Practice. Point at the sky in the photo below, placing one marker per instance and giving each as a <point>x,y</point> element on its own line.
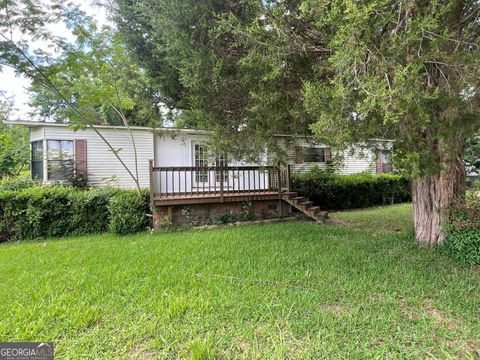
<point>16,86</point>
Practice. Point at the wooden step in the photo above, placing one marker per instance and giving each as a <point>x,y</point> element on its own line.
<point>306,204</point>
<point>290,194</point>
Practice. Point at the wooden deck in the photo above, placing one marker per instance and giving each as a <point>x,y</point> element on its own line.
<point>213,198</point>
<point>198,185</point>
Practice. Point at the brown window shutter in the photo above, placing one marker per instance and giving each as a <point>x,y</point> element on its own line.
<point>298,155</point>
<point>328,154</point>
<point>378,162</point>
<point>81,157</point>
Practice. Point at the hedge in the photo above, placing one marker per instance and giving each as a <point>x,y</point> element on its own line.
<point>128,212</point>
<point>40,212</point>
<point>340,192</point>
<point>462,231</point>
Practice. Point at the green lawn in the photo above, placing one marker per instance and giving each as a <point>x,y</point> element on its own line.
<point>358,289</point>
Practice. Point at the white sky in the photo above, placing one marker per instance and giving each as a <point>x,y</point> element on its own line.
<point>16,86</point>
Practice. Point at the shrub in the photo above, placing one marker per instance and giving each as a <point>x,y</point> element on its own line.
<point>339,192</point>
<point>128,212</point>
<point>63,210</point>
<point>52,211</point>
<point>17,183</point>
<point>89,210</point>
<point>462,231</point>
<point>224,218</point>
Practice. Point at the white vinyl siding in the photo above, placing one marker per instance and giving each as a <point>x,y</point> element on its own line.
<point>353,163</point>
<point>359,161</point>
<point>103,168</point>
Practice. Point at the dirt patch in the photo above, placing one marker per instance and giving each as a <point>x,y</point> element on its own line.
<point>143,354</point>
<point>140,352</point>
<point>335,221</point>
<point>439,317</point>
<point>334,309</point>
<point>465,349</point>
<point>430,311</point>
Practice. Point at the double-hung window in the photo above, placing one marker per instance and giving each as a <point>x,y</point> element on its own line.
<point>60,162</point>
<point>37,160</point>
<point>314,155</point>
<point>310,155</point>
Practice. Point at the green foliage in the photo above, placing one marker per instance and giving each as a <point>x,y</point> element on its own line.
<point>224,218</point>
<point>246,212</point>
<point>101,81</point>
<point>189,217</point>
<point>38,212</point>
<point>90,80</point>
<point>400,70</point>
<point>336,192</point>
<point>89,210</point>
<point>20,182</point>
<point>349,71</point>
<point>14,148</point>
<point>129,212</point>
<point>462,231</point>
<point>202,350</point>
<point>471,154</point>
<point>201,63</point>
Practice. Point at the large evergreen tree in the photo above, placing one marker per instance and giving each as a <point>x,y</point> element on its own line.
<point>405,70</point>
<point>409,71</point>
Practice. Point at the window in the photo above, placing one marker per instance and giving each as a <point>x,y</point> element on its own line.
<point>200,156</point>
<point>37,160</point>
<point>60,163</point>
<point>313,154</point>
<point>309,155</point>
<point>201,159</point>
<point>385,161</point>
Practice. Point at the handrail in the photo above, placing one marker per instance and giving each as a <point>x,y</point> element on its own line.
<point>216,181</point>
<point>200,168</point>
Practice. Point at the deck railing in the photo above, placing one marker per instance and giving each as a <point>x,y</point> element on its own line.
<point>169,182</point>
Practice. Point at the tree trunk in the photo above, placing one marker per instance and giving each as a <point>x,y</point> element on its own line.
<point>431,197</point>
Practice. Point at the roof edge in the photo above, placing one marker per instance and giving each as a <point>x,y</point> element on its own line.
<point>145,128</point>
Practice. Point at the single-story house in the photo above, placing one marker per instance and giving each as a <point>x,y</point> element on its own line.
<point>177,165</point>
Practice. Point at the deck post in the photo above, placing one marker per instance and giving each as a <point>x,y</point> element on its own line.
<point>288,177</point>
<point>150,166</point>
<point>279,184</point>
<point>221,184</point>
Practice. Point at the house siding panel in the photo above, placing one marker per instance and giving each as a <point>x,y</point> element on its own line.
<point>353,163</point>
<point>102,166</point>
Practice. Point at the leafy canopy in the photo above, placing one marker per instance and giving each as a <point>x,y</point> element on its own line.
<point>213,72</point>
<point>349,71</point>
<point>90,80</point>
<point>14,144</point>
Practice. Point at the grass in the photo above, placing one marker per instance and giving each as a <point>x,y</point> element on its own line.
<point>380,219</point>
<point>291,290</point>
